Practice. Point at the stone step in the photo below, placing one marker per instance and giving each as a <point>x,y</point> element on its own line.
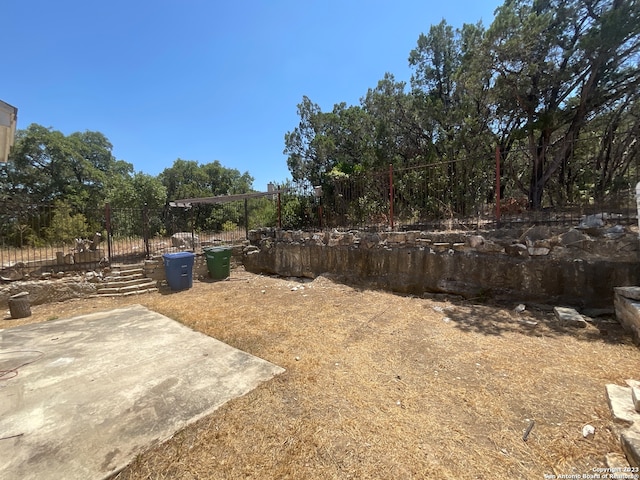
<point>127,288</point>
<point>635,393</point>
<point>126,294</point>
<point>621,405</point>
<point>126,281</point>
<point>128,272</point>
<point>626,416</point>
<point>630,440</point>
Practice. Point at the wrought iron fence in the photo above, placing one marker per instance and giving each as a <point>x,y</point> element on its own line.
<point>461,194</point>
<point>60,238</point>
<point>446,195</point>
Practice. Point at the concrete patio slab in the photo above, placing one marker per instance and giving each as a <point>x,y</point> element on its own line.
<point>81,397</point>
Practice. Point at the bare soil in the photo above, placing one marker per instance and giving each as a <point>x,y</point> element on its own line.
<point>379,385</point>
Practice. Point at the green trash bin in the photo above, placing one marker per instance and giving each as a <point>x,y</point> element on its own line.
<point>218,259</point>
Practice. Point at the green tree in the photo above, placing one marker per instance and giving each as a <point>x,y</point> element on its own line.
<point>557,65</point>
<point>65,225</point>
<point>45,166</point>
<point>190,179</point>
<point>310,147</point>
<point>398,135</point>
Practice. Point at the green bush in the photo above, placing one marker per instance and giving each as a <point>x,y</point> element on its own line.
<point>65,227</point>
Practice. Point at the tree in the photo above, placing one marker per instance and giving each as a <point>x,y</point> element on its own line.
<point>190,179</point>
<point>451,100</point>
<point>399,136</point>
<point>310,147</point>
<point>45,166</point>
<point>557,65</point>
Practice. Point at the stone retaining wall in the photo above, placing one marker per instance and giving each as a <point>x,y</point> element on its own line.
<point>48,291</point>
<point>573,267</point>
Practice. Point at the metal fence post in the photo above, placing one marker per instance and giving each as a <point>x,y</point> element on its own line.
<point>279,211</point>
<point>497,185</point>
<point>391,195</point>
<point>246,219</point>
<point>145,229</point>
<point>107,219</point>
<point>638,206</point>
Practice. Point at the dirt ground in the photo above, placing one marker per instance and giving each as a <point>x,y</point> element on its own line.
<point>384,386</point>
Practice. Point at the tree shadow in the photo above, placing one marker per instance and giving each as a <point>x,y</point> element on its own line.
<point>495,320</point>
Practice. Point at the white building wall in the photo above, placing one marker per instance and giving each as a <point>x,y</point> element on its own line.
<point>8,121</point>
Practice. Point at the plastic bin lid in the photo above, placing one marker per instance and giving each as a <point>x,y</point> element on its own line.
<point>179,255</point>
<point>216,249</point>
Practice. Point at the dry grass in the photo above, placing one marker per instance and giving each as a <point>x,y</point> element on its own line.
<point>385,386</point>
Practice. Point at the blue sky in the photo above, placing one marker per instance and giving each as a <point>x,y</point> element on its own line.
<point>205,80</point>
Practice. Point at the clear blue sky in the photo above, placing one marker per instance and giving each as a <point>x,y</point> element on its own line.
<point>205,80</point>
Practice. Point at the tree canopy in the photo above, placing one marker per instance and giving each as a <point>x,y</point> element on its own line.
<point>546,82</point>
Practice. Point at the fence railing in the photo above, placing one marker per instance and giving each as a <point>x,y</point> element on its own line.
<point>425,197</point>
<point>58,238</point>
<point>445,195</point>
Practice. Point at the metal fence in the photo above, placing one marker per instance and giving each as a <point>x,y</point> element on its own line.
<point>461,193</point>
<point>60,238</point>
<point>446,195</point>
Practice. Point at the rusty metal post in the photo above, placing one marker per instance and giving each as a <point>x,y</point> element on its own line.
<point>391,196</point>
<point>497,185</point>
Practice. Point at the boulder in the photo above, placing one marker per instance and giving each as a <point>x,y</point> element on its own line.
<point>535,233</point>
<point>185,240</point>
<point>475,241</point>
<point>569,317</point>
<point>573,237</point>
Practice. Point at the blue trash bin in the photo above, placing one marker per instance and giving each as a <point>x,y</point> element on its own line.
<point>178,268</point>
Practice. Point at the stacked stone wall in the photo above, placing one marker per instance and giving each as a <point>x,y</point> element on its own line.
<point>572,267</point>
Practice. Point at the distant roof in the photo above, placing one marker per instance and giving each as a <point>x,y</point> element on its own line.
<point>188,202</point>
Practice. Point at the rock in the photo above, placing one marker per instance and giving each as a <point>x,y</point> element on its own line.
<point>628,292</point>
<point>615,232</point>
<point>588,431</point>
<point>474,241</point>
<point>621,405</point>
<point>569,317</point>
<point>635,393</point>
<point>490,247</point>
<point>185,240</point>
<point>517,250</point>
<point>591,221</point>
<point>573,237</point>
<point>630,441</point>
<point>535,233</point>
<point>628,314</point>
<point>538,251</point>
<point>47,291</point>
